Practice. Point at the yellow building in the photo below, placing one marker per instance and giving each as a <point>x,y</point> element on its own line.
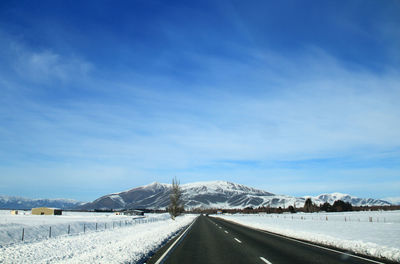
<point>46,211</point>
<point>14,212</point>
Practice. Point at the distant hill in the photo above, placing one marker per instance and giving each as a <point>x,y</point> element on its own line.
<point>15,202</point>
<point>355,201</point>
<point>214,194</point>
<point>393,200</point>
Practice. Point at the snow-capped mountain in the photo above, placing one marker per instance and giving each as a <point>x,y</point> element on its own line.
<point>155,195</point>
<point>15,202</point>
<point>355,201</point>
<point>222,194</point>
<point>392,200</point>
<point>215,194</point>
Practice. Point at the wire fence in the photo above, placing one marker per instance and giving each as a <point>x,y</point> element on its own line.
<point>376,218</point>
<point>40,232</point>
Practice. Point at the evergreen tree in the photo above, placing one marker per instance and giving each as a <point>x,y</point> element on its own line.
<point>291,209</point>
<point>308,205</point>
<point>340,206</point>
<point>327,207</point>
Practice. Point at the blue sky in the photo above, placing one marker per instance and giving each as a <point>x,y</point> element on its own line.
<point>294,97</point>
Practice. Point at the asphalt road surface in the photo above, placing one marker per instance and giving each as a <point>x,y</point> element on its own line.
<point>212,240</point>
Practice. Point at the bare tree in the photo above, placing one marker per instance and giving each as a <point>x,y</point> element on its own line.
<point>176,204</point>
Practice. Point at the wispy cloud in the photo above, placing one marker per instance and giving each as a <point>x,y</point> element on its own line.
<point>251,114</point>
<point>324,110</point>
<point>41,66</point>
<point>47,65</point>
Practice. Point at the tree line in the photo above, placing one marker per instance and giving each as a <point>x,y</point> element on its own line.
<point>309,207</point>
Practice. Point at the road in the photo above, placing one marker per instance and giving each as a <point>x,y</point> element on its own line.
<point>212,240</point>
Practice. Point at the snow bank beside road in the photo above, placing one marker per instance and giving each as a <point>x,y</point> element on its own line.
<point>128,244</point>
<point>376,239</point>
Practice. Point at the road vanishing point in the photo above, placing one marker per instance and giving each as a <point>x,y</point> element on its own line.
<point>213,240</point>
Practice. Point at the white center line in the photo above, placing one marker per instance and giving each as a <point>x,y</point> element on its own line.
<point>266,261</point>
<point>220,227</point>
<point>238,240</point>
<point>226,232</point>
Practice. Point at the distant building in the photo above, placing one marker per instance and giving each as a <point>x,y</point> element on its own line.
<point>133,212</point>
<point>46,211</point>
<point>14,212</point>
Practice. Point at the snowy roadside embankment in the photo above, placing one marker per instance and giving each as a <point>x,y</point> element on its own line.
<point>122,245</point>
<point>376,239</point>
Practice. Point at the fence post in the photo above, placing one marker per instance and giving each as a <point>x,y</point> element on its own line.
<point>23,233</point>
<point>370,219</point>
<point>50,232</point>
<point>84,228</point>
<point>69,229</point>
<point>105,225</point>
<point>120,223</point>
<point>96,226</point>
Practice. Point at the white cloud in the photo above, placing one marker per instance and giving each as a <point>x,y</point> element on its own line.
<point>41,66</point>
<point>322,113</point>
<point>47,66</point>
<point>269,108</point>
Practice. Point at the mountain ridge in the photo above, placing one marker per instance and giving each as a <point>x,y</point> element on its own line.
<point>18,202</point>
<point>215,194</point>
<point>204,194</point>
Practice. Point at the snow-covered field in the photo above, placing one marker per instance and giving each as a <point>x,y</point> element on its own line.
<point>118,239</point>
<point>375,234</point>
<point>37,227</point>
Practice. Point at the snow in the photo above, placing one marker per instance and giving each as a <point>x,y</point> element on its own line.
<point>36,227</point>
<point>7,198</point>
<point>349,231</point>
<point>218,187</point>
<point>132,239</point>
<point>218,194</point>
<point>151,187</point>
<point>15,202</point>
<point>393,200</point>
<point>118,198</point>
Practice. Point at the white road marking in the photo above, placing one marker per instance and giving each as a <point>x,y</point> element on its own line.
<point>313,245</point>
<point>226,232</point>
<point>173,244</point>
<point>220,227</point>
<point>238,240</point>
<point>266,261</point>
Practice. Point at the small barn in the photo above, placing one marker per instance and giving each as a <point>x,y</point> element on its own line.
<point>133,212</point>
<point>46,211</point>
